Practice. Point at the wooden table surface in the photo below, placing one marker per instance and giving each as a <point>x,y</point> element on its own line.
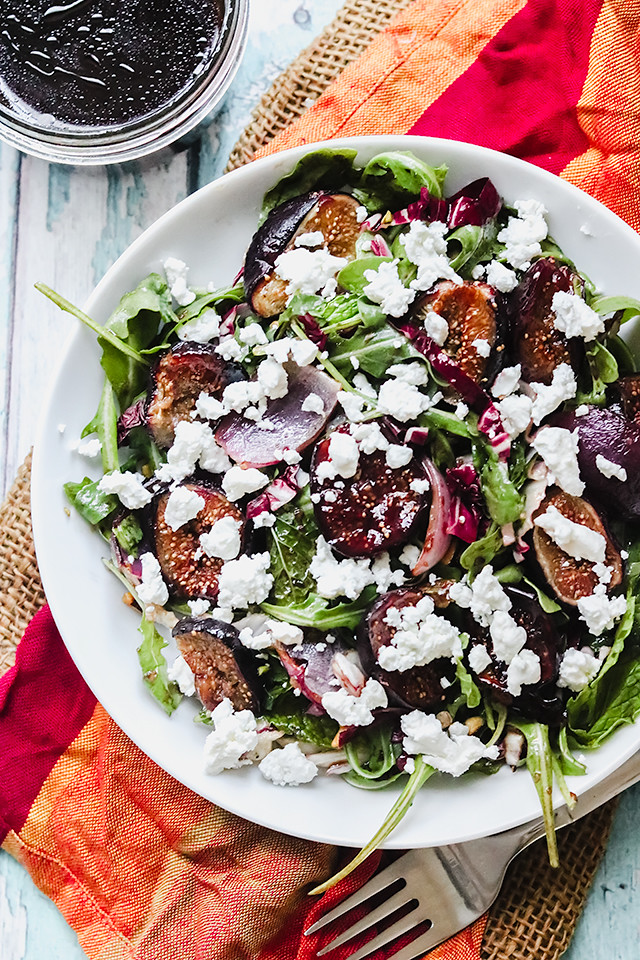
<point>66,226</point>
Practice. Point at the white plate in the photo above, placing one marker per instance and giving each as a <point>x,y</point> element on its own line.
<point>210,231</point>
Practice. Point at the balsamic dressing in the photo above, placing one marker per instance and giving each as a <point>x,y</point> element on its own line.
<point>95,63</point>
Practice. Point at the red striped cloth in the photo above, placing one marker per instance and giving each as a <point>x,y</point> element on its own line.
<point>140,866</point>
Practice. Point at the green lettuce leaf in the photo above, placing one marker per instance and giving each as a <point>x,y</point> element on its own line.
<point>397,177</point>
<point>105,426</point>
<point>329,168</point>
<point>154,667</point>
<point>90,502</point>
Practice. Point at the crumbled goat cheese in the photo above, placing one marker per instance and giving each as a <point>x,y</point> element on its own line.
<point>252,335</point>
<point>180,672</point>
<point>610,469</point>
<point>361,214</point>
<point>507,636</point>
<point>152,589</point>
<point>413,372</point>
<point>484,597</point>
<point>515,413</point>
<point>410,555</point>
<point>194,443</point>
<point>582,410</point>
<point>342,460</point>
<point>237,482</point>
<point>352,711</point>
<point>402,400</point>
<point>578,668</point>
<point>426,247</point>
<point>89,447</point>
<point>479,658</point>
<point>383,576</point>
<point>273,379</point>
<point>201,329</point>
<point>559,450</point>
<point>338,578</point>
<point>420,636</point>
<point>307,271</point>
<point>244,581</point>
<point>451,751</point>
<point>128,487</point>
<point>369,437</point>
<point>600,611</point>
<point>234,735</point>
<point>386,288</point>
<point>398,456</point>
<point>313,404</point>
<point>575,539</point>
<point>223,540</point>
<point>182,506</point>
<point>269,633</point>
<point>501,277</point>
<point>420,486</point>
<point>176,272</point>
<point>352,405</point>
<point>198,606</point>
<point>264,519</point>
<point>523,670</point>
<point>436,327</point>
<point>548,397</point>
<point>523,234</point>
<point>483,347</point>
<point>302,352</point>
<point>461,410</point>
<point>574,317</point>
<point>288,767</point>
<point>313,239</point>
<point>209,407</point>
<point>507,381</point>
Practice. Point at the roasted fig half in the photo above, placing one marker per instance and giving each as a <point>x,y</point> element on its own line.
<point>374,510</point>
<point>572,579</point>
<point>331,214</point>
<point>180,376</point>
<point>607,432</point>
<point>187,569</point>
<point>538,346</point>
<point>539,701</point>
<point>472,314</point>
<point>419,688</point>
<point>222,667</point>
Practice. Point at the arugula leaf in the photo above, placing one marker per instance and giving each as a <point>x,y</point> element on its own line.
<point>475,243</point>
<point>154,667</point>
<point>330,167</point>
<point>468,688</point>
<point>128,533</point>
<point>627,306</point>
<point>323,614</point>
<point>397,177</point>
<point>545,601</point>
<point>540,766</point>
<point>482,551</point>
<point>105,425</point>
<point>352,276</point>
<point>290,716</point>
<point>90,502</point>
<point>504,503</point>
<point>293,546</point>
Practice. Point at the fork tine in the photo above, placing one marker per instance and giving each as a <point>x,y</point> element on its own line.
<point>383,910</point>
<point>395,930</point>
<point>377,883</point>
<point>427,941</point>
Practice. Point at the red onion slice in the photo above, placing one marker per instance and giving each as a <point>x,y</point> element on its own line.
<point>437,540</point>
<point>283,490</point>
<point>250,445</point>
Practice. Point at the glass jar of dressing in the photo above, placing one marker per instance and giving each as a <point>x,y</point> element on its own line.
<point>102,81</point>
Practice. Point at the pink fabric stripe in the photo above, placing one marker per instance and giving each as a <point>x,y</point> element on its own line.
<point>520,94</point>
<point>44,704</point>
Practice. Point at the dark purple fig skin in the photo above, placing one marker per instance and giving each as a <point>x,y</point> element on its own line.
<point>537,345</point>
<point>176,550</point>
<point>415,689</point>
<point>333,214</point>
<point>373,511</point>
<point>222,666</point>
<point>177,380</point>
<point>540,701</point>
<point>608,432</point>
<point>473,311</point>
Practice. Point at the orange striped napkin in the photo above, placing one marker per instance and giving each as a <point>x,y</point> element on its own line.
<point>140,866</point>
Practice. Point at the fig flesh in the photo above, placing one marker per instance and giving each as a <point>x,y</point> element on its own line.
<point>572,579</point>
<point>629,390</point>
<point>419,688</point>
<point>472,314</point>
<point>538,701</point>
<point>538,346</point>
<point>222,667</point>
<point>188,570</point>
<point>609,433</point>
<point>372,511</point>
<point>180,376</point>
<point>331,214</point>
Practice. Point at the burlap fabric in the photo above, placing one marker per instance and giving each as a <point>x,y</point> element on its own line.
<point>537,910</point>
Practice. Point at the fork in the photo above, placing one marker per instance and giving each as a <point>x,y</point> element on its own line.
<point>451,886</point>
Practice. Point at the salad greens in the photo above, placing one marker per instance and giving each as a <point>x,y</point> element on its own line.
<point>408,574</point>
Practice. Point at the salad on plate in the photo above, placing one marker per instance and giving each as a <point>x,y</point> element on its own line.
<point>380,494</point>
